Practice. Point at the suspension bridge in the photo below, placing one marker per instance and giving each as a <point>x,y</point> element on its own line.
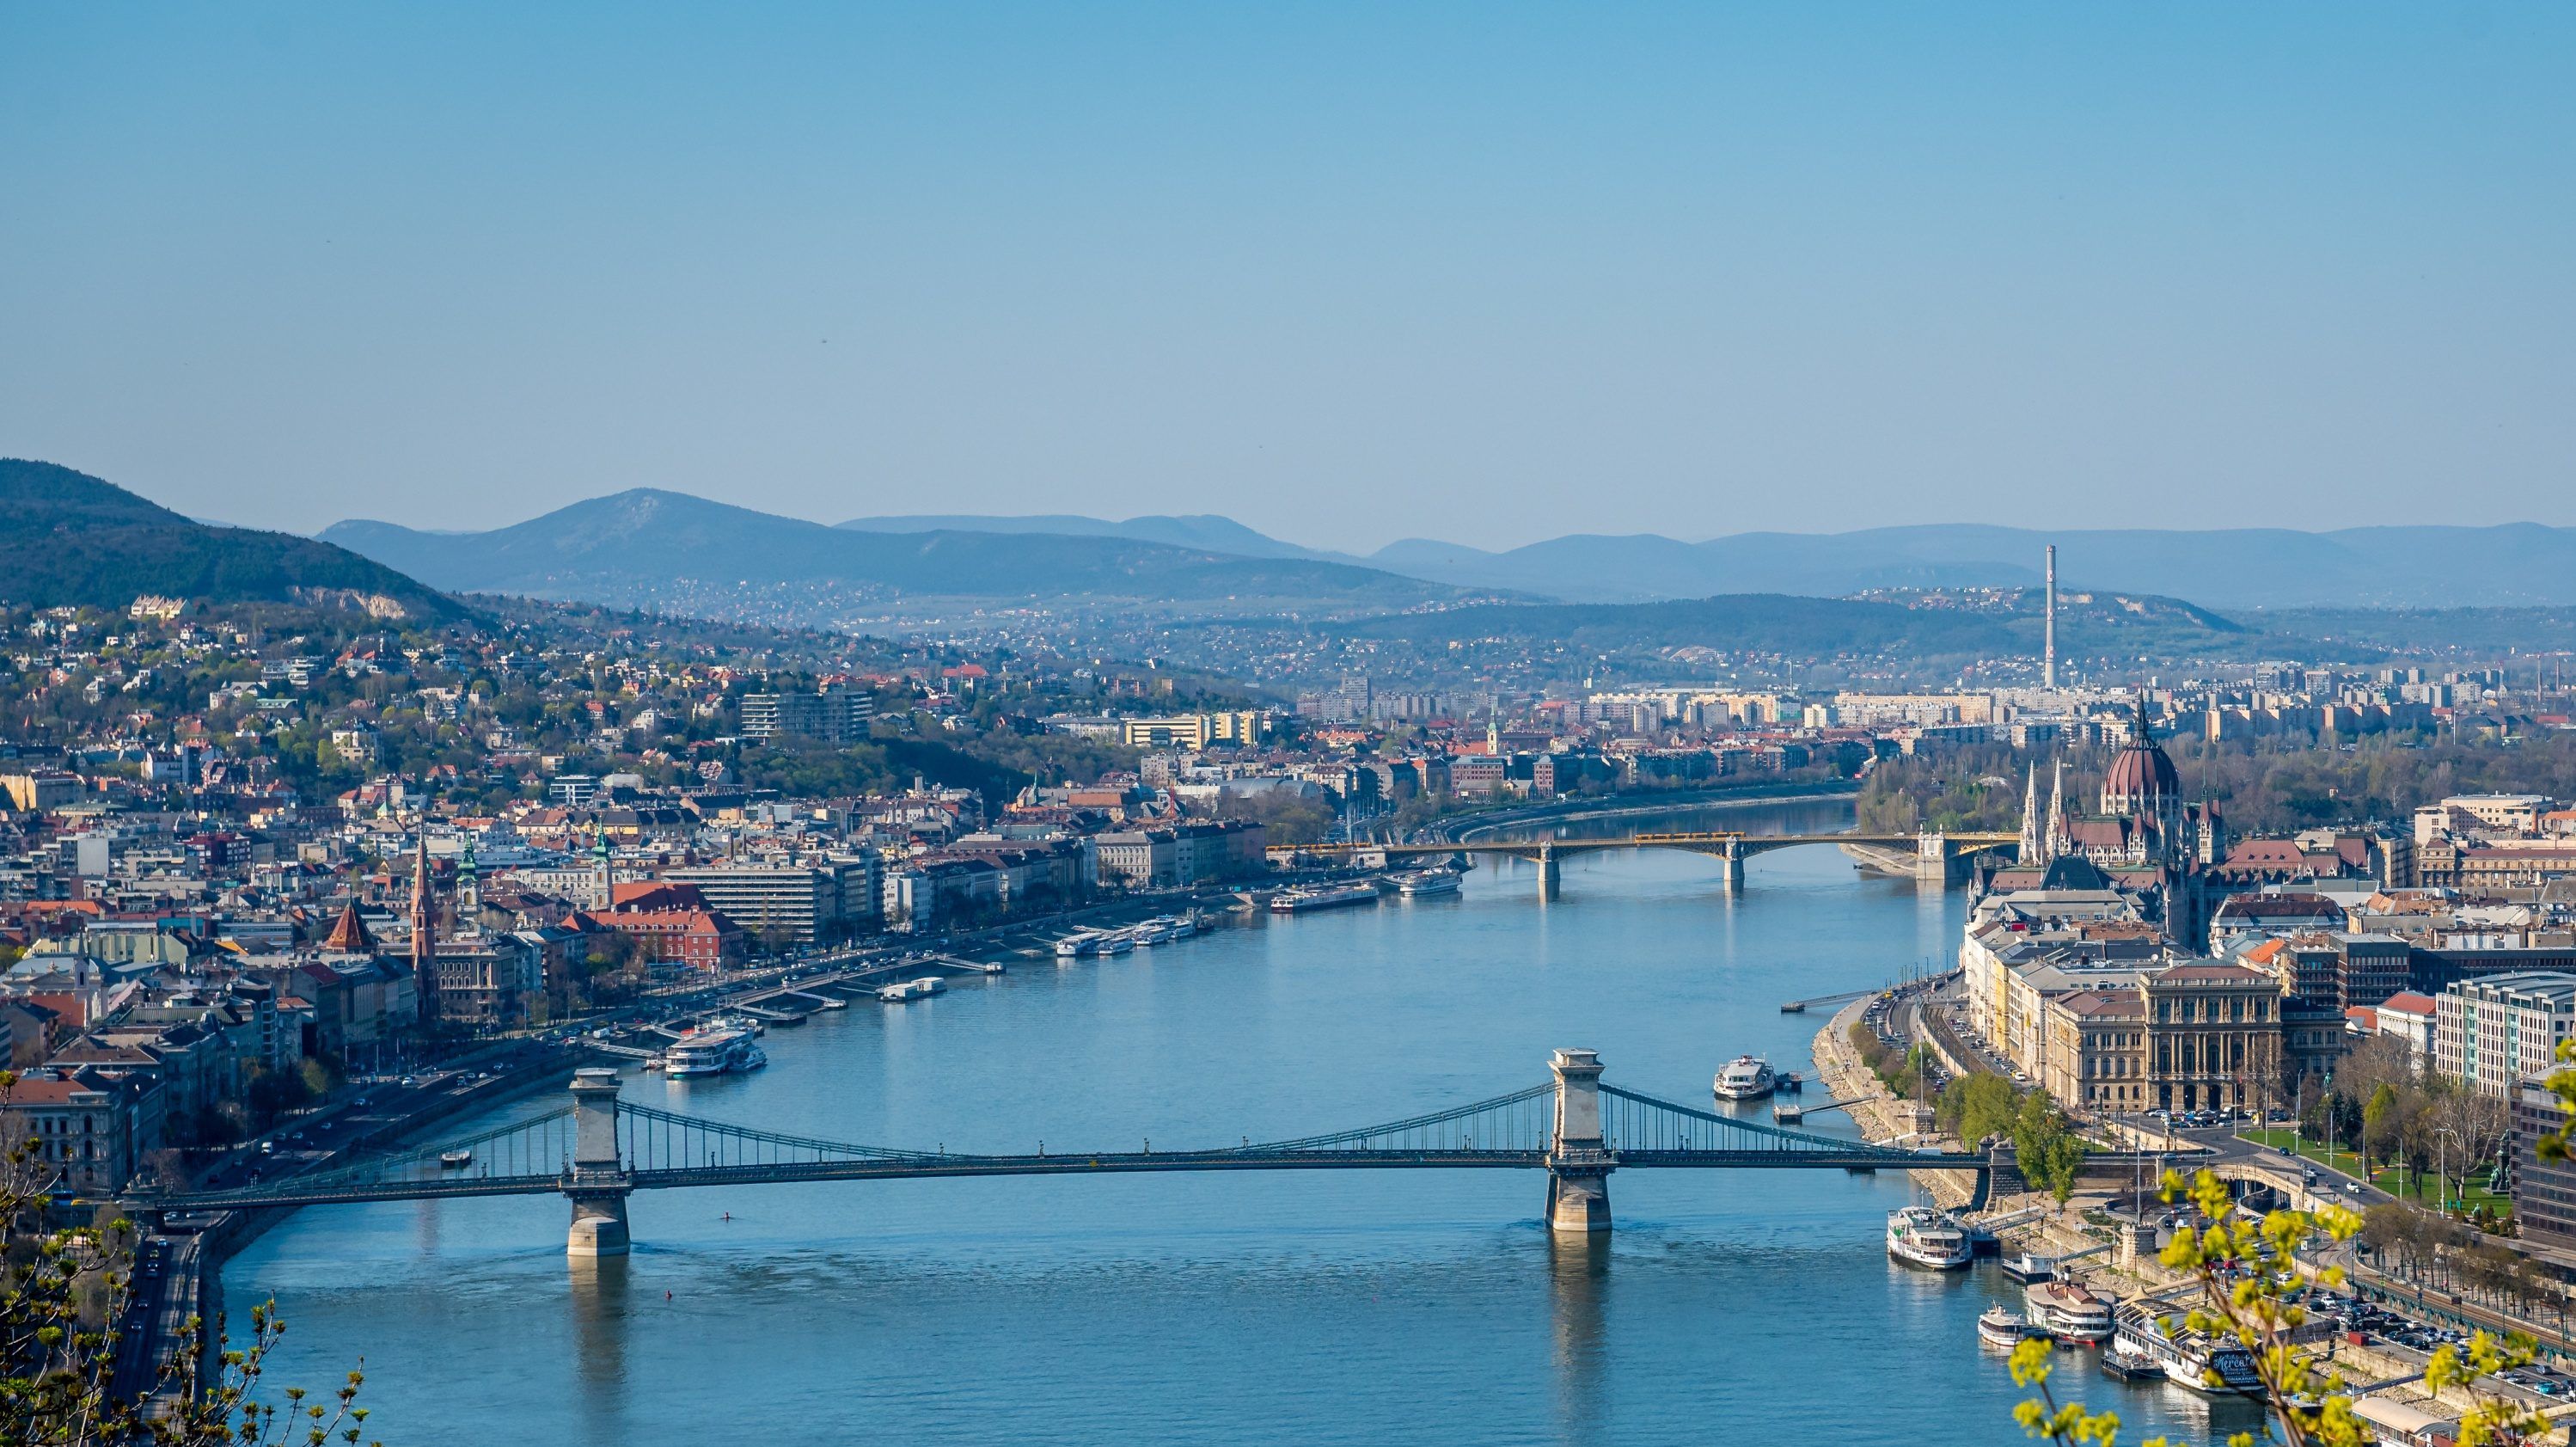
<point>599,1150</point>
<point>1931,857</point>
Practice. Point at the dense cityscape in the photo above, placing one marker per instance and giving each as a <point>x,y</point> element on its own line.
<point>1099,724</point>
<point>264,862</point>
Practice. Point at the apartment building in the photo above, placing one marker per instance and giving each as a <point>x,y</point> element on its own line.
<point>832,715</point>
<point>800,904</point>
<point>2496,1031</point>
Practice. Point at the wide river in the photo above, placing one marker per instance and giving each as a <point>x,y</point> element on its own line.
<point>1312,1307</point>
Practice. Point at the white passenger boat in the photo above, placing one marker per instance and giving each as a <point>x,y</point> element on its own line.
<point>1424,882</point>
<point>2069,1312</point>
<point>2000,1328</point>
<point>1745,1078</point>
<point>1117,942</point>
<point>1079,944</point>
<point>707,1052</point>
<point>1152,932</point>
<point>2189,1359</point>
<point>1921,1236</point>
<point>911,990</point>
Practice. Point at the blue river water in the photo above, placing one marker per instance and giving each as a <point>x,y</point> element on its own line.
<point>1317,1307</point>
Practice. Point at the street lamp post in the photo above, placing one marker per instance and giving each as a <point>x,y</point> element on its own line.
<point>2442,1137</point>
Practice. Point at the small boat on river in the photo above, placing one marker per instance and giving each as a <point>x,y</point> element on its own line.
<point>1745,1078</point>
<point>2004,1329</point>
<point>1921,1236</point>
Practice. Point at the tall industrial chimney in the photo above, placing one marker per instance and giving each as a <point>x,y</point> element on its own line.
<point>2048,656</point>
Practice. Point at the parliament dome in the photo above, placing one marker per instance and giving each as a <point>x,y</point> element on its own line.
<point>2142,780</point>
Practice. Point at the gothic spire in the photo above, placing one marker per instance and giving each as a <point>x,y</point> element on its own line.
<point>424,953</point>
<point>2030,814</point>
<point>2056,840</point>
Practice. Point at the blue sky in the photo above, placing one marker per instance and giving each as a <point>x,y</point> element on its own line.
<point>1349,273</point>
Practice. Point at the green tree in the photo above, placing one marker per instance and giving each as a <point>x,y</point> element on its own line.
<point>2051,1155</point>
<point>2251,1284</point>
<point>64,1291</point>
<point>2382,1124</point>
<point>273,1093</point>
<point>1976,1106</point>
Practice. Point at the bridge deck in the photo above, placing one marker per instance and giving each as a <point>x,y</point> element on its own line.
<point>1718,841</point>
<point>288,1193</point>
<point>648,1148</point>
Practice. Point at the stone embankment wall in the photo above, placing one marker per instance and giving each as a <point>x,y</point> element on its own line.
<point>1840,1071</point>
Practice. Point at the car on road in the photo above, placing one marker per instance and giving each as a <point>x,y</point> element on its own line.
<point>2352,1188</point>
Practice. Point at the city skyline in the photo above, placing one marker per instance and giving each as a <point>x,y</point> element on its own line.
<point>1460,275</point>
<point>1153,722</point>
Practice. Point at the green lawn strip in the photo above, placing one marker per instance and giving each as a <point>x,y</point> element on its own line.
<point>2389,1178</point>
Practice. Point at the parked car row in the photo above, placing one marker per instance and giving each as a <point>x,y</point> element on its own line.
<point>2348,1314</point>
<point>2200,1119</point>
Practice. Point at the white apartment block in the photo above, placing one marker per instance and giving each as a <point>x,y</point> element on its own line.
<point>2503,1029</point>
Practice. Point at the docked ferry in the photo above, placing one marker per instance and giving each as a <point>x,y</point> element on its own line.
<point>1921,1236</point>
<point>911,990</point>
<point>1322,896</point>
<point>1997,1327</point>
<point>712,1052</point>
<point>1424,882</point>
<point>2189,1359</point>
<point>1079,944</point>
<point>1745,1078</point>
<point>1162,930</point>
<point>2071,1313</point>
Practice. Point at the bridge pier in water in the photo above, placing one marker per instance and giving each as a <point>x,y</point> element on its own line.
<point>1734,857</point>
<point>1547,875</point>
<point>1578,1162</point>
<point>599,1184</point>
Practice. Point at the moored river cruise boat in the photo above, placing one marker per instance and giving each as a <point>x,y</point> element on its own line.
<point>1921,1236</point>
<point>2188,1358</point>
<point>1745,1078</point>
<point>2071,1313</point>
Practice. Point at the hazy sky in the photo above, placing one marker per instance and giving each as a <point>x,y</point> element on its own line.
<point>1347,273</point>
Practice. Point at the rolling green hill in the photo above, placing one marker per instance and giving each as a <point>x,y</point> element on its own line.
<point>642,545</point>
<point>70,539</point>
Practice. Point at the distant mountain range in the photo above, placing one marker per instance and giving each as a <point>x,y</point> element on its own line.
<point>651,548</point>
<point>1204,531</point>
<point>68,539</point>
<point>2127,627</point>
<point>2520,564</point>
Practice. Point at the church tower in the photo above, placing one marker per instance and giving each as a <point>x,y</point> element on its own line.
<point>2030,841</point>
<point>424,931</point>
<point>469,890</point>
<point>2057,840</point>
